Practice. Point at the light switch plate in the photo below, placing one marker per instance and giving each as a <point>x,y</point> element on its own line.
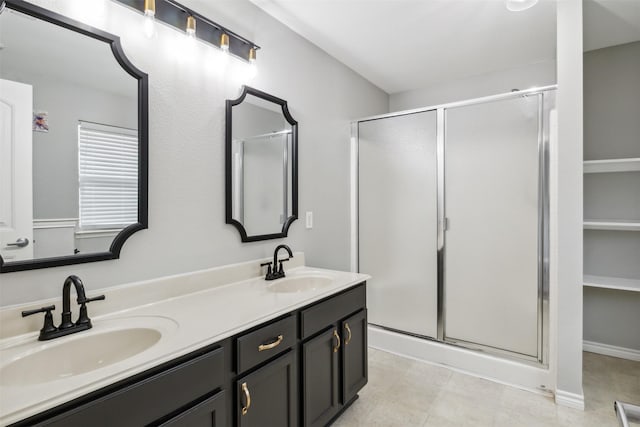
<point>309,220</point>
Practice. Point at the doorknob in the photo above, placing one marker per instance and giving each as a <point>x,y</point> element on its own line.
<point>20,243</point>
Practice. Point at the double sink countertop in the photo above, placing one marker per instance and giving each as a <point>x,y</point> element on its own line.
<point>145,324</point>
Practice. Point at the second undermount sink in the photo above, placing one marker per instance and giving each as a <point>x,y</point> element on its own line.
<point>83,353</point>
<point>300,283</point>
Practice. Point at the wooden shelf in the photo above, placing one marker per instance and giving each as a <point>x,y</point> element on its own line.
<point>615,225</point>
<point>612,165</point>
<point>617,283</point>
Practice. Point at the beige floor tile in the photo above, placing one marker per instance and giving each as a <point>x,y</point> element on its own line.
<point>407,393</point>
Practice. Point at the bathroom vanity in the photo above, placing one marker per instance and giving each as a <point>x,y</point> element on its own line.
<point>295,353</point>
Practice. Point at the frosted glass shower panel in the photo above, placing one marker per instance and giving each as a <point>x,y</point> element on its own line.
<point>398,221</point>
<point>491,244</point>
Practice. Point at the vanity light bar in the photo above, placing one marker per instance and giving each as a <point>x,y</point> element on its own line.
<point>184,19</point>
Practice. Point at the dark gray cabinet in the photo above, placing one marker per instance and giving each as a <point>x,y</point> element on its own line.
<point>321,370</point>
<point>334,361</point>
<point>354,355</point>
<point>268,397</point>
<point>147,398</point>
<point>303,368</point>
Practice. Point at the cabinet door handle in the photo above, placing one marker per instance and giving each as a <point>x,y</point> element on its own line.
<point>263,347</point>
<point>247,396</point>
<point>348,340</point>
<point>337,337</point>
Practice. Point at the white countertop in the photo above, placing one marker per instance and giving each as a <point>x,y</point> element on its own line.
<point>188,322</point>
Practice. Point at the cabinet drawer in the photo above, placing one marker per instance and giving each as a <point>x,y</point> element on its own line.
<point>210,413</point>
<point>150,399</point>
<point>321,315</point>
<point>260,345</point>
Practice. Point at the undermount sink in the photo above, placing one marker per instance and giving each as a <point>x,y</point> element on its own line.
<point>80,354</point>
<point>300,283</point>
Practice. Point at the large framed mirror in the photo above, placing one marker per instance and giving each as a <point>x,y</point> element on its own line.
<point>261,165</point>
<point>73,141</point>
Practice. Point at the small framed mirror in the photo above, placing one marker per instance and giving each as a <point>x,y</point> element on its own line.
<point>73,141</point>
<point>261,166</point>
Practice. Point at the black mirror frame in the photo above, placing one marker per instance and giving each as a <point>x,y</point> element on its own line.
<point>143,139</point>
<point>230,103</point>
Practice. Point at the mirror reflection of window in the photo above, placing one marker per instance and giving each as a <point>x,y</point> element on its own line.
<point>107,176</point>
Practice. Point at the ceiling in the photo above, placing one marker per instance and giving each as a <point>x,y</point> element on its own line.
<point>406,44</point>
<point>610,22</point>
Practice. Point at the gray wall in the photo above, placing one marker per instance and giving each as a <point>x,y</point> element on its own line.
<point>187,89</point>
<point>612,102</point>
<point>55,154</point>
<point>611,130</point>
<point>533,75</point>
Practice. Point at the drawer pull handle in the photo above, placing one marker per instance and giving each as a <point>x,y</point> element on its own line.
<point>348,340</point>
<point>247,396</point>
<point>337,337</point>
<point>263,347</point>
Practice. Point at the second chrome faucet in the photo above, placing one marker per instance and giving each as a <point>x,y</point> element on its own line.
<point>277,271</point>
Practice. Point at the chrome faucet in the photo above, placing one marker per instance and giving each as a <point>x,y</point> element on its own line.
<point>66,327</point>
<point>278,271</point>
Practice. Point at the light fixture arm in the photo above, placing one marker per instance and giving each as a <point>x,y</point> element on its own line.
<point>176,15</point>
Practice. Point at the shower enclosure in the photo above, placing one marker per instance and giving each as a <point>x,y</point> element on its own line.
<point>452,221</point>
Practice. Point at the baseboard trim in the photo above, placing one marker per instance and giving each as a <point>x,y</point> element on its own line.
<point>571,400</point>
<point>611,350</point>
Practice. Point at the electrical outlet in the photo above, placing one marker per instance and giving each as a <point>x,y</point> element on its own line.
<point>309,220</point>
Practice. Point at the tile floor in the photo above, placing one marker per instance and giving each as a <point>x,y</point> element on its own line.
<point>407,393</point>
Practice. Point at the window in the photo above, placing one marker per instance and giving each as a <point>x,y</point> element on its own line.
<point>108,176</point>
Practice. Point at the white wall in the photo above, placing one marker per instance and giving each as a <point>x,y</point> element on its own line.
<point>566,268</point>
<point>533,75</point>
<point>188,87</point>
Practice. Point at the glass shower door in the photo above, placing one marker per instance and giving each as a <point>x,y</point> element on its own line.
<point>492,276</point>
<point>398,221</point>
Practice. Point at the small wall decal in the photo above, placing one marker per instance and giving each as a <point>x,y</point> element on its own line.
<point>41,121</point>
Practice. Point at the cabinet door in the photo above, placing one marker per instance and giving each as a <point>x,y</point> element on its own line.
<point>320,378</point>
<point>210,413</point>
<point>354,355</point>
<point>268,397</point>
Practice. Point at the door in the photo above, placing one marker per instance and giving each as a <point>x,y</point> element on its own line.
<point>16,200</point>
<point>397,224</point>
<point>492,174</point>
<point>320,378</point>
<point>268,397</point>
<point>354,355</point>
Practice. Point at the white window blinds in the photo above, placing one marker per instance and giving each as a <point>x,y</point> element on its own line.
<point>108,172</point>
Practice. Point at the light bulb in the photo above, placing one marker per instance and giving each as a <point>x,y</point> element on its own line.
<point>150,18</point>
<point>191,27</point>
<point>149,26</point>
<point>224,42</point>
<point>253,71</point>
<point>519,5</point>
<point>253,67</point>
